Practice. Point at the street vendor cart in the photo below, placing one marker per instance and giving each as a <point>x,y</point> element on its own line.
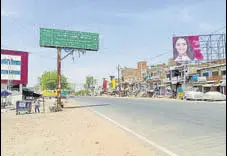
<point>23,106</point>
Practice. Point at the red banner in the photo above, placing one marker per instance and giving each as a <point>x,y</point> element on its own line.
<point>104,85</point>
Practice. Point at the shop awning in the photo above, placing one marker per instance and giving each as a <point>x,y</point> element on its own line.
<point>30,93</point>
<point>198,84</point>
<point>208,85</point>
<point>223,83</point>
<point>5,93</point>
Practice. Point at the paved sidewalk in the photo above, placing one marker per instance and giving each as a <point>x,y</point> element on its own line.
<point>76,131</point>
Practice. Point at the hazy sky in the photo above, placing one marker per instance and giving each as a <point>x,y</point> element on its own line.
<point>130,31</point>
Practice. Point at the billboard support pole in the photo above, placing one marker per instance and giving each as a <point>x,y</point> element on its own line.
<point>184,73</point>
<point>59,79</point>
<point>84,43</point>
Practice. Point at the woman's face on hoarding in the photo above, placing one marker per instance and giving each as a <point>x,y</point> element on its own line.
<point>181,46</point>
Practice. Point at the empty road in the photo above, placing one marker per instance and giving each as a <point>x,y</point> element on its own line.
<point>184,128</point>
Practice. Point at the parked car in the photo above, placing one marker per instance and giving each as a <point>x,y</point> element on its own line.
<point>214,96</point>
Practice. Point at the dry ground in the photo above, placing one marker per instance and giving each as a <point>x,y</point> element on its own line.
<point>72,132</point>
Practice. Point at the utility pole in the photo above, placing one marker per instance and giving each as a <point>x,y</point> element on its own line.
<point>43,105</point>
<point>92,88</point>
<point>184,73</point>
<point>171,84</point>
<point>118,76</point>
<point>9,73</point>
<point>141,74</point>
<point>59,79</point>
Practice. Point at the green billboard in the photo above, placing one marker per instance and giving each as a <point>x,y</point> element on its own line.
<point>55,38</point>
<point>64,92</point>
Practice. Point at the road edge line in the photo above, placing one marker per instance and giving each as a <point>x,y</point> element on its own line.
<point>163,149</point>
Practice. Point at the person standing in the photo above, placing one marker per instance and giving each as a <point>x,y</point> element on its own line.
<point>37,105</point>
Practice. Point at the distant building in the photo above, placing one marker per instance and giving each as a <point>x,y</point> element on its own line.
<point>129,74</point>
<point>157,76</point>
<point>14,74</point>
<point>215,75</point>
<point>134,74</point>
<point>141,70</point>
<point>14,69</point>
<point>169,79</point>
<point>171,62</point>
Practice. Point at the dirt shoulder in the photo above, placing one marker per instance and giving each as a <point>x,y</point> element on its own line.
<point>72,132</point>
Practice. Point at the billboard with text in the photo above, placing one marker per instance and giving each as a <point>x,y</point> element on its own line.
<point>53,38</point>
<point>14,67</point>
<point>186,49</point>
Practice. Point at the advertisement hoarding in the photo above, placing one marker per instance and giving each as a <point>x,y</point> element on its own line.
<point>53,93</point>
<point>104,85</point>
<point>113,82</point>
<point>53,38</point>
<point>186,49</point>
<point>14,67</point>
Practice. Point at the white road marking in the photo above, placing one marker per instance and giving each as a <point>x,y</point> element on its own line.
<point>135,134</point>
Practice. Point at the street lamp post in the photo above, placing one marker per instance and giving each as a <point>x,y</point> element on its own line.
<point>9,73</point>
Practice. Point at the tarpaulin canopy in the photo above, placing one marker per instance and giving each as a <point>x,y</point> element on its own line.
<point>5,93</point>
<point>30,93</point>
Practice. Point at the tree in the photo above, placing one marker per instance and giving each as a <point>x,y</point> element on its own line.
<point>90,82</point>
<point>82,92</point>
<point>49,81</point>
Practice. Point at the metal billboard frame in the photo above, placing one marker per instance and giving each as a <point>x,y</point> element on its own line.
<point>213,47</point>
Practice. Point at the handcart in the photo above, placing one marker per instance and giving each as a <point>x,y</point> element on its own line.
<point>23,106</point>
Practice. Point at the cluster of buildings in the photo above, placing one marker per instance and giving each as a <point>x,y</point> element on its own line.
<point>145,80</point>
<point>170,79</point>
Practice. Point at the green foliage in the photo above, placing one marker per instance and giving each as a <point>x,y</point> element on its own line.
<point>81,92</point>
<point>49,80</point>
<point>90,81</point>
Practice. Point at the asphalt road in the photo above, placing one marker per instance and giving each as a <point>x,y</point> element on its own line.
<point>184,128</point>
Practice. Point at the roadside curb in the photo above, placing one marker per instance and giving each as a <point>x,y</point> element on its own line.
<point>140,98</point>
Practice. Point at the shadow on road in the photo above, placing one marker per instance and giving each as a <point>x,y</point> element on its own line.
<point>86,106</point>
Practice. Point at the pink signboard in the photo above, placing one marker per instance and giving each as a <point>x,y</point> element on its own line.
<point>186,49</point>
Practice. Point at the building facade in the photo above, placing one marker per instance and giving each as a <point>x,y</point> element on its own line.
<point>172,78</point>
<point>14,69</point>
<point>141,70</point>
<point>14,75</point>
<point>129,74</point>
